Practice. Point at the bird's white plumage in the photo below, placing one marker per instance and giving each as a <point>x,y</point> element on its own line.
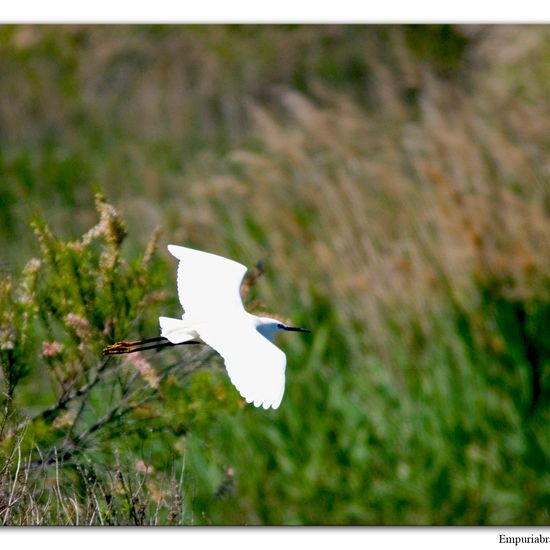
<point>256,367</point>
<point>209,291</point>
<point>208,284</point>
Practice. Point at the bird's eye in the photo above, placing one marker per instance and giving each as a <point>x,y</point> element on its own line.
<point>280,325</point>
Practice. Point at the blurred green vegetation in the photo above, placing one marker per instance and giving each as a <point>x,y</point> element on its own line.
<point>393,180</point>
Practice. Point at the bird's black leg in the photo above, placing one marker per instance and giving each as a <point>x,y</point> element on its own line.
<point>141,345</point>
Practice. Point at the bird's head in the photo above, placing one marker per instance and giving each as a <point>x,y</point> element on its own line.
<point>267,327</point>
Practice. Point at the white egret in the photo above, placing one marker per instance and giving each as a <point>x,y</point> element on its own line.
<point>209,291</point>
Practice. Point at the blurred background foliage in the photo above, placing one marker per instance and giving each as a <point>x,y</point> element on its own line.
<point>394,180</point>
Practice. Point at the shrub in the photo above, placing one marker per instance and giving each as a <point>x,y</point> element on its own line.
<point>86,438</point>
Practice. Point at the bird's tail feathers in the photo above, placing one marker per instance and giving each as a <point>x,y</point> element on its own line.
<point>176,330</point>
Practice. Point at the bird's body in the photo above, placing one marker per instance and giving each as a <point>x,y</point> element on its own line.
<point>209,291</point>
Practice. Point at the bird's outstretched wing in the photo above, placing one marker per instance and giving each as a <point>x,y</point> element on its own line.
<point>208,284</point>
<point>255,366</point>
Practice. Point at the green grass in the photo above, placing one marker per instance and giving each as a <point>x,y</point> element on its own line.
<point>393,182</point>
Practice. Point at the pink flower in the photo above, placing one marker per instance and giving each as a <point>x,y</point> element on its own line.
<point>144,368</point>
<point>143,468</point>
<point>79,324</point>
<point>51,349</point>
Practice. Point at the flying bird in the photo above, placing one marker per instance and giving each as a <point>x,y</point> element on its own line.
<point>209,291</point>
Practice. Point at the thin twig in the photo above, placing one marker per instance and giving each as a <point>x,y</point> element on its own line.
<point>65,400</point>
<point>10,500</point>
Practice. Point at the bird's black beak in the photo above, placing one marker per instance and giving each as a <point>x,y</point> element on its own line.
<point>296,329</point>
